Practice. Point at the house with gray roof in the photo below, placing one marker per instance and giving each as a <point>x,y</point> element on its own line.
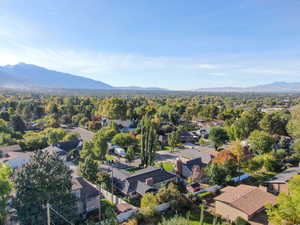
<point>279,183</point>
<point>14,156</point>
<point>62,149</point>
<point>190,169</point>
<point>145,180</point>
<point>87,195</point>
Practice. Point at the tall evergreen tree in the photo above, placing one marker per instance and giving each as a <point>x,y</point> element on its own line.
<point>148,142</point>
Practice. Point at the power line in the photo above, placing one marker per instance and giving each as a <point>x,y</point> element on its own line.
<point>57,213</point>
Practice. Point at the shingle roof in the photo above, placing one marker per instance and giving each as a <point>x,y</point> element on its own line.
<point>285,176</point>
<point>67,145</point>
<point>88,190</point>
<point>142,188</point>
<point>194,162</point>
<point>128,183</point>
<point>15,153</point>
<point>17,162</point>
<point>248,199</point>
<point>54,150</point>
<point>11,148</point>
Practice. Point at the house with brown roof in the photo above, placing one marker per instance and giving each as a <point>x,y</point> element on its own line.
<point>247,202</point>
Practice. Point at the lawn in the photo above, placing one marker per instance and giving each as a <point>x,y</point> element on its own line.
<point>167,148</point>
<point>109,157</point>
<point>259,178</point>
<point>168,166</point>
<point>195,218</point>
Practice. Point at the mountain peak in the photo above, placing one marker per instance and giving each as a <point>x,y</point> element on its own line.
<point>35,76</point>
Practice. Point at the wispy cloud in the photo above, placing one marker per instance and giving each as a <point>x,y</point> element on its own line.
<point>133,69</point>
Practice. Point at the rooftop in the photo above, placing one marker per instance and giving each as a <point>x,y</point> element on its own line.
<point>248,199</point>
<point>285,176</point>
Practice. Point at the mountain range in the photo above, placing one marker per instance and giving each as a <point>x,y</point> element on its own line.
<point>31,77</point>
<point>275,87</point>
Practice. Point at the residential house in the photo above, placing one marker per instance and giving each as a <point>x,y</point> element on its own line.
<point>163,139</point>
<point>63,149</point>
<point>123,125</point>
<point>193,168</point>
<point>247,202</point>
<point>194,187</point>
<point>188,136</point>
<point>87,195</point>
<point>279,183</point>
<point>145,180</point>
<point>14,156</point>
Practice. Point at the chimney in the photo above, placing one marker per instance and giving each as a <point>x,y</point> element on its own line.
<point>178,166</point>
<point>149,181</point>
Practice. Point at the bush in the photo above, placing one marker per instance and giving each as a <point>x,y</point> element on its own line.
<point>241,221</point>
<point>175,221</point>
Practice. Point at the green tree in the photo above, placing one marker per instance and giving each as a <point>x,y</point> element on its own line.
<point>5,189</point>
<point>123,140</point>
<point>261,142</point>
<point>148,142</point>
<point>173,139</point>
<point>89,169</point>
<point>168,193</point>
<point>294,123</point>
<point>107,132</point>
<point>287,209</point>
<point>275,122</point>
<point>71,137</point>
<point>218,136</point>
<point>17,123</point>
<point>130,153</point>
<point>54,135</point>
<point>113,108</point>
<point>100,147</point>
<point>44,179</point>
<point>246,124</point>
<point>216,174</point>
<point>209,112</point>
<point>5,139</point>
<point>149,201</point>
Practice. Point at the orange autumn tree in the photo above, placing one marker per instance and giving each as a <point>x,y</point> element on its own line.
<point>224,156</point>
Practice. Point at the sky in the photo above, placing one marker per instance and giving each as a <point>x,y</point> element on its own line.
<point>172,44</point>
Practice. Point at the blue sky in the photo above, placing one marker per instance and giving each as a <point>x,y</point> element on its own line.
<point>172,44</point>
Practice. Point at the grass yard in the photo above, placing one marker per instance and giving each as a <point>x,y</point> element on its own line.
<point>167,148</point>
<point>259,178</point>
<point>109,157</point>
<point>195,218</point>
<point>168,166</point>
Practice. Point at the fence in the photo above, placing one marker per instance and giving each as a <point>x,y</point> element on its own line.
<point>113,198</point>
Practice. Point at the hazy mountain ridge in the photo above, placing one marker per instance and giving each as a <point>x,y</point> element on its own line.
<point>272,87</point>
<point>27,75</point>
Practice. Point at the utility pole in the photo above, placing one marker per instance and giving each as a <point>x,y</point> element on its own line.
<point>100,202</point>
<point>112,185</point>
<point>48,214</point>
